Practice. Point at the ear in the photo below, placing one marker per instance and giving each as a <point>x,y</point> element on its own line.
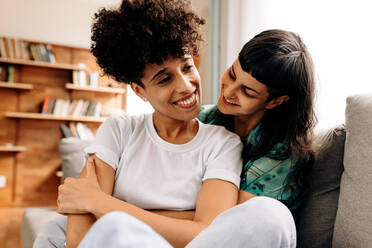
<point>139,90</point>
<point>276,102</point>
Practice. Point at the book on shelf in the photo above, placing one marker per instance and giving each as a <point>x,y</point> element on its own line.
<point>50,55</point>
<point>10,74</point>
<point>25,50</point>
<point>85,78</point>
<point>2,48</point>
<point>93,79</point>
<point>9,47</point>
<point>44,105</point>
<point>19,49</point>
<point>51,106</point>
<point>84,132</point>
<point>75,108</point>
<point>98,109</point>
<point>3,73</point>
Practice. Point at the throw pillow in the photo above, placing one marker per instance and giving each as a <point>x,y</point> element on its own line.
<point>316,216</point>
<point>353,227</point>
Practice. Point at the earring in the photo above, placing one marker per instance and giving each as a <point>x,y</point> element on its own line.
<point>144,99</point>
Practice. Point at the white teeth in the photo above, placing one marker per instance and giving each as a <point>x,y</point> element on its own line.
<point>188,101</point>
<point>227,100</point>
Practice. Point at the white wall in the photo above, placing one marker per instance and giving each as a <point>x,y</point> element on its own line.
<point>68,22</point>
<point>338,35</point>
<point>64,22</point>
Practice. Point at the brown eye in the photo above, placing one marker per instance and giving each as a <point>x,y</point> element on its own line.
<point>165,80</point>
<point>188,68</point>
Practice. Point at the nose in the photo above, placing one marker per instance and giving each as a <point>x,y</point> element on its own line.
<point>228,89</point>
<point>184,84</point>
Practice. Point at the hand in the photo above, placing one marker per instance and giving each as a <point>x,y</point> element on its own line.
<point>76,196</point>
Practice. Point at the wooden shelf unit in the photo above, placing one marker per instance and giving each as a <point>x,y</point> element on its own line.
<point>20,86</point>
<point>71,86</point>
<point>12,148</point>
<point>31,173</point>
<point>41,64</point>
<point>38,116</point>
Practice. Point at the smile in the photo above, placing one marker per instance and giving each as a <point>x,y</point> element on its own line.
<point>226,100</point>
<point>187,102</point>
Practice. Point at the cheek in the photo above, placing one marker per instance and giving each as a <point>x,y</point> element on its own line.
<point>252,104</point>
<point>159,97</point>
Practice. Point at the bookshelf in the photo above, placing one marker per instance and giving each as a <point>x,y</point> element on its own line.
<point>19,86</point>
<point>31,173</point>
<point>38,116</point>
<point>71,86</point>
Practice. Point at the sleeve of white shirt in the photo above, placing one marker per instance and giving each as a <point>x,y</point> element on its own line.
<point>226,162</point>
<point>107,143</point>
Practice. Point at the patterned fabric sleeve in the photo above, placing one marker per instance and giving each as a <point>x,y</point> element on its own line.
<point>272,178</point>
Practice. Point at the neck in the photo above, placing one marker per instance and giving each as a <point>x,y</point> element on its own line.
<point>175,131</point>
<point>243,125</point>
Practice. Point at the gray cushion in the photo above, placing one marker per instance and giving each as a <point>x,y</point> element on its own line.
<point>316,217</point>
<point>72,156</point>
<point>32,221</point>
<point>353,227</point>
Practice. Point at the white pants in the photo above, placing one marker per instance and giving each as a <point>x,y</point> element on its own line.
<point>261,222</point>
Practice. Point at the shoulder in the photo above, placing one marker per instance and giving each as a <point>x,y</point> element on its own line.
<point>208,113</point>
<point>125,122</point>
<point>219,133</point>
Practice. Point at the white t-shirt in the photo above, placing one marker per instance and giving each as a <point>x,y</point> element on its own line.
<point>154,174</point>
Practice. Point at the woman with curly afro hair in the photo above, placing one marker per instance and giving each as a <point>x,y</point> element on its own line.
<point>168,173</point>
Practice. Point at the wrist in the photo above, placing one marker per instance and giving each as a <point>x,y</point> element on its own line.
<point>95,204</point>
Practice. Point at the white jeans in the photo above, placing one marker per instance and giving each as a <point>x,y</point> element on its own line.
<point>261,222</point>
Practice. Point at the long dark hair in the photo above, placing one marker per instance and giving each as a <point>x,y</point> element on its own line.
<point>280,60</point>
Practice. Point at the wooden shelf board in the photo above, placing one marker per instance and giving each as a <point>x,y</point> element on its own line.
<point>21,86</point>
<point>53,117</point>
<point>40,64</point>
<point>12,148</point>
<point>96,89</point>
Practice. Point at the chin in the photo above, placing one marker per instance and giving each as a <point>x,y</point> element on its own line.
<point>222,107</point>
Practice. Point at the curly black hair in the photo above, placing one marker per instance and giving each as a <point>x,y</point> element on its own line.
<point>142,32</point>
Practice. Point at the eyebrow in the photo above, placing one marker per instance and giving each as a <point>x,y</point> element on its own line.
<point>249,88</point>
<point>184,59</point>
<point>158,73</point>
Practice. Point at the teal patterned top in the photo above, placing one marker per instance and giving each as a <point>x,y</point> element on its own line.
<point>264,176</point>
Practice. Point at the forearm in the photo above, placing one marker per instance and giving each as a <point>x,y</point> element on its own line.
<point>177,232</point>
<point>185,215</point>
<point>77,226</point>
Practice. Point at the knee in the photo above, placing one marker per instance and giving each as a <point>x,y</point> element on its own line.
<point>114,221</point>
<point>271,216</point>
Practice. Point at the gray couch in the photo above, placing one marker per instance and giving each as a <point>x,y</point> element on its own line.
<point>337,199</point>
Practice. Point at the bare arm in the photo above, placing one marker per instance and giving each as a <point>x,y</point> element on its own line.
<point>186,215</point>
<point>245,196</point>
<point>214,197</point>
<point>79,224</point>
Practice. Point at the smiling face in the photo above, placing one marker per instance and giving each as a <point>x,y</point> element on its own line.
<point>241,94</point>
<point>172,88</point>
